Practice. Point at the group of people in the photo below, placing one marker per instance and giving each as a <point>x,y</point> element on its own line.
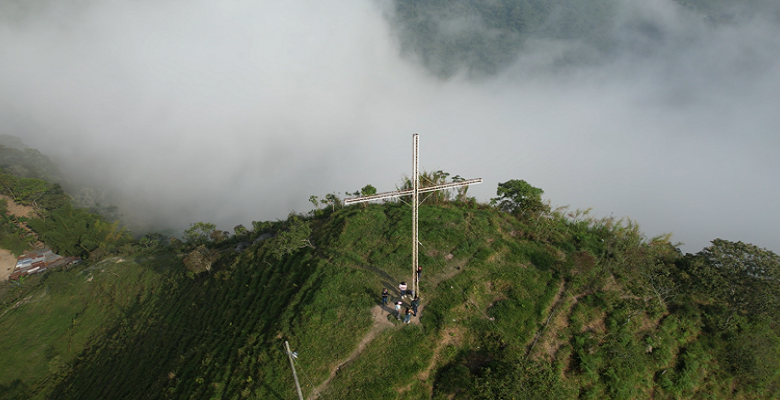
<point>411,310</point>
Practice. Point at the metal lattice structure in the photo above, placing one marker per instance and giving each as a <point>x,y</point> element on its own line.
<point>415,193</point>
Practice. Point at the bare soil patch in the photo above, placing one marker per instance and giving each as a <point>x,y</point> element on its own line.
<point>17,209</point>
<point>7,264</point>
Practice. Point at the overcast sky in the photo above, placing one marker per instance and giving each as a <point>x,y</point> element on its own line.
<point>234,111</point>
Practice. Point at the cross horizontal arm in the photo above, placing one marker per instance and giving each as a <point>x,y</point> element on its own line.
<point>378,196</point>
<point>408,192</point>
<point>450,185</point>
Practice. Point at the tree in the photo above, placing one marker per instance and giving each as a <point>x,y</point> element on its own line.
<point>332,200</point>
<point>41,195</point>
<point>201,259</point>
<point>313,201</point>
<point>199,233</point>
<point>146,242</point>
<point>743,276</point>
<point>8,184</point>
<point>152,239</point>
<point>462,190</point>
<point>519,197</point>
<point>427,179</point>
<point>294,238</point>
<point>175,243</point>
<point>754,354</point>
<point>367,190</point>
<point>432,179</point>
<point>239,230</point>
<point>77,232</point>
<point>260,226</point>
<point>218,236</point>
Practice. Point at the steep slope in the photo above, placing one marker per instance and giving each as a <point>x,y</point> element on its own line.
<point>541,305</point>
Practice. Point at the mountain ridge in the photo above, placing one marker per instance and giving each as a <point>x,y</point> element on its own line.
<point>518,299</point>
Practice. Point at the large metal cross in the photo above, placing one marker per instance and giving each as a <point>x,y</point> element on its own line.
<point>415,193</point>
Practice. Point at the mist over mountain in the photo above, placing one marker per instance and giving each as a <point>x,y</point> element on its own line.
<point>235,111</point>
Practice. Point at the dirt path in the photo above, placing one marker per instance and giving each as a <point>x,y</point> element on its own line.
<point>554,305</point>
<point>381,322</point>
<point>7,264</point>
<point>18,303</point>
<point>379,315</point>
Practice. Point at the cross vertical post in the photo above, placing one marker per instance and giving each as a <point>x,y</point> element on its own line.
<point>415,193</point>
<point>415,210</point>
<point>292,365</point>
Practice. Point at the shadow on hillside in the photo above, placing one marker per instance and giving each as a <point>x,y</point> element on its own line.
<point>381,273</point>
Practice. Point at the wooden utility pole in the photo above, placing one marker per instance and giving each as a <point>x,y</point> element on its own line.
<point>415,193</point>
<point>292,365</point>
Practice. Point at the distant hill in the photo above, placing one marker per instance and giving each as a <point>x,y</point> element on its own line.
<point>20,161</point>
<point>12,142</point>
<point>482,38</point>
<point>517,301</point>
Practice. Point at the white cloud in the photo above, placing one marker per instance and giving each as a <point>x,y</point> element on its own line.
<point>236,111</point>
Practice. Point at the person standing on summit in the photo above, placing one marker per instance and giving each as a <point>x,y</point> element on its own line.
<point>384,296</point>
<point>408,315</point>
<point>402,289</point>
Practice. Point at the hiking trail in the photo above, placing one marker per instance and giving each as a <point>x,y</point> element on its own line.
<point>380,315</point>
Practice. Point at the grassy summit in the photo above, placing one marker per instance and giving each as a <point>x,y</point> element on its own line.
<point>517,301</point>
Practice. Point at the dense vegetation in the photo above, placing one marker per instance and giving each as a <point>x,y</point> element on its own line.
<point>519,300</point>
<point>65,229</point>
<point>27,178</point>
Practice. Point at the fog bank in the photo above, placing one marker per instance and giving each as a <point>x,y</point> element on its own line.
<point>234,111</point>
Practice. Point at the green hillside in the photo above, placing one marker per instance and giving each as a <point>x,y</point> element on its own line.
<point>518,301</point>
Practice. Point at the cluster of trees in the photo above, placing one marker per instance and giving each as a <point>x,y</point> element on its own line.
<point>426,179</point>
<point>73,231</point>
<point>67,230</point>
<point>520,198</point>
<point>41,195</point>
<point>737,286</point>
<point>13,235</point>
<point>678,325</point>
<point>440,177</point>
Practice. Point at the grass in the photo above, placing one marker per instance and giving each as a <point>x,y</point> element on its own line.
<point>52,325</point>
<point>487,279</point>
